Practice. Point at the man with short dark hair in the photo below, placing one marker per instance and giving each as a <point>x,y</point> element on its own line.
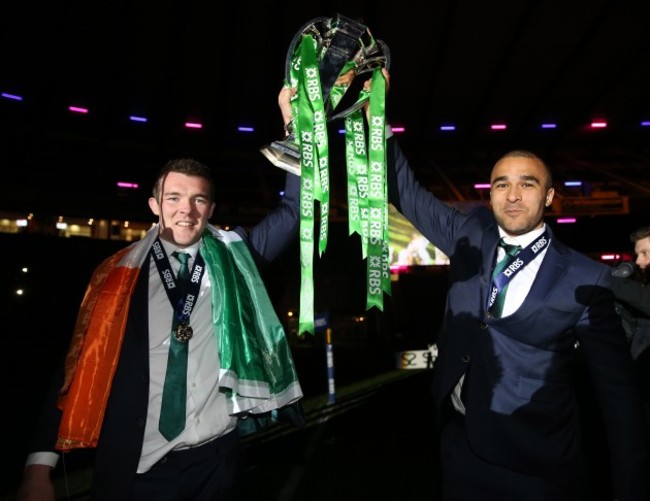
<point>176,340</point>
<point>520,304</point>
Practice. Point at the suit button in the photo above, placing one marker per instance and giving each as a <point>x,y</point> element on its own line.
<point>465,358</point>
<point>141,422</point>
<point>482,325</point>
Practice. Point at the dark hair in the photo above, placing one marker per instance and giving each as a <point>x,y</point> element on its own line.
<point>186,166</point>
<point>640,234</point>
<point>532,156</point>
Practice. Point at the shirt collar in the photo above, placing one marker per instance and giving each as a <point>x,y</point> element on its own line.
<point>192,250</point>
<point>523,240</point>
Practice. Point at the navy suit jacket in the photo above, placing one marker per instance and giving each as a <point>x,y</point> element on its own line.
<point>120,442</point>
<point>521,407</point>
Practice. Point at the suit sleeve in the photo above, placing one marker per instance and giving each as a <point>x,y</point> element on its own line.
<point>273,234</point>
<point>436,220</point>
<point>48,421</point>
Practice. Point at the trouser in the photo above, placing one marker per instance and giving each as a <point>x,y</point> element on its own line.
<point>210,472</point>
<point>467,477</point>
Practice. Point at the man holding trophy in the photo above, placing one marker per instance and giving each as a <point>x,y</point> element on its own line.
<point>503,384</point>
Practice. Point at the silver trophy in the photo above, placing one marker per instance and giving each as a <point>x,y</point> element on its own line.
<point>340,41</point>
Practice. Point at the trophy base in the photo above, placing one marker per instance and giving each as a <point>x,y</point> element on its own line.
<point>284,154</point>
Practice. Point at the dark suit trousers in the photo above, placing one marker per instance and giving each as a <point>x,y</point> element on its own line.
<point>211,472</point>
<point>466,477</point>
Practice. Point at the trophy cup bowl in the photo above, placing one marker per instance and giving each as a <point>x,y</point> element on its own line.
<point>340,40</point>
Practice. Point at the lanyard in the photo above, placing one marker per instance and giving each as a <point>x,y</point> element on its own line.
<point>516,264</point>
<point>182,306</point>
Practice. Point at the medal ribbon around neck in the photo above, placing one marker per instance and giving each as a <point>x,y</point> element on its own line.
<point>184,305</point>
<point>525,256</point>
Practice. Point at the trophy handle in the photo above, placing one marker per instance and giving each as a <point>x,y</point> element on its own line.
<point>339,41</point>
<point>367,64</point>
<point>372,53</point>
<point>380,58</point>
<point>308,27</point>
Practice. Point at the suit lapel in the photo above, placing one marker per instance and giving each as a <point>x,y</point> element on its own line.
<point>552,269</point>
<point>549,276</point>
<point>489,252</point>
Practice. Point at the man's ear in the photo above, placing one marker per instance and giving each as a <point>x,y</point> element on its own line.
<point>154,206</point>
<point>549,196</point>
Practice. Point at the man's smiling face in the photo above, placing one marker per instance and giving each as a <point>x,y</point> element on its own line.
<point>184,208</point>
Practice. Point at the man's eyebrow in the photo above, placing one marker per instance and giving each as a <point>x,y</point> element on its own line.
<point>178,193</point>
<point>523,177</point>
<point>529,177</point>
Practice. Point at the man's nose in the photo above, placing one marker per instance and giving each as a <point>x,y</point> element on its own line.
<point>185,206</point>
<point>513,194</point>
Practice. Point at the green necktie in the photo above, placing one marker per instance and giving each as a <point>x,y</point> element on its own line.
<point>172,410</point>
<point>511,251</point>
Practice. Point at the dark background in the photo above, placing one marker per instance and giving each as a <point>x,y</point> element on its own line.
<point>470,63</point>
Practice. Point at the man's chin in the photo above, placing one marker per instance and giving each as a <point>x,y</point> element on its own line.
<point>181,237</point>
<point>514,230</point>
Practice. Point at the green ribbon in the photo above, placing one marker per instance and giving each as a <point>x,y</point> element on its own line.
<point>366,171</point>
<point>378,272</point>
<point>355,153</point>
<point>311,133</point>
<point>367,189</point>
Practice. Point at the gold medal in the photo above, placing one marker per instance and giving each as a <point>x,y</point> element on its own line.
<point>183,332</point>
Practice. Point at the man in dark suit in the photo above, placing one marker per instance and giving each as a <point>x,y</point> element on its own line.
<point>138,318</point>
<point>507,350</point>
<point>503,380</point>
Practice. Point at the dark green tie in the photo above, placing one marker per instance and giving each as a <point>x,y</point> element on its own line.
<point>511,251</point>
<point>172,410</point>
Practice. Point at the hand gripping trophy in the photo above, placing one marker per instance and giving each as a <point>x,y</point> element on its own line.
<point>323,59</point>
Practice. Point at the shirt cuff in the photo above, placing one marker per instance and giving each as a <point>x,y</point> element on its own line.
<point>389,131</point>
<point>44,458</point>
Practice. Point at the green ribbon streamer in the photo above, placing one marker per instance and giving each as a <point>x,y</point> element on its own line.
<point>355,127</point>
<point>308,85</point>
<point>355,153</point>
<point>323,186</point>
<point>366,171</point>
<point>339,89</point>
<point>367,189</point>
<point>378,272</point>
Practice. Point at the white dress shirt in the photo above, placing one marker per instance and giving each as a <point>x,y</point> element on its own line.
<point>521,283</point>
<point>207,414</point>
